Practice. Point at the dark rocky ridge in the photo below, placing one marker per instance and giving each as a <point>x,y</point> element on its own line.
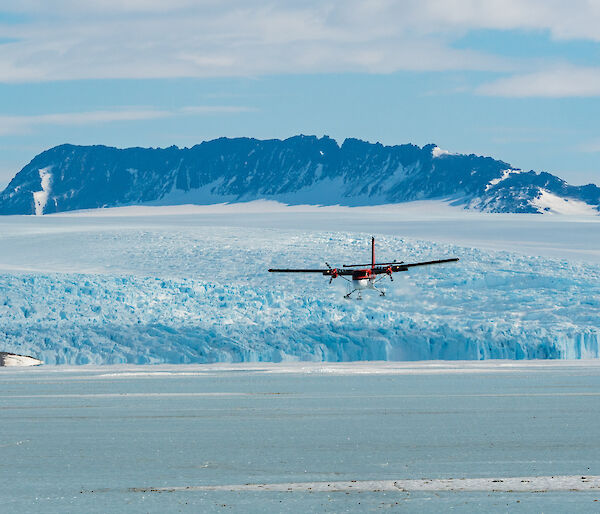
<point>301,169</point>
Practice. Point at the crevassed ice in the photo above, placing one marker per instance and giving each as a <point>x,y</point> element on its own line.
<point>210,298</point>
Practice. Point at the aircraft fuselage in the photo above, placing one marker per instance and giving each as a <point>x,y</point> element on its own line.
<point>363,279</point>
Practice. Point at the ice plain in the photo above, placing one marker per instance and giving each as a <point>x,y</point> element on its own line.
<point>478,436</point>
<point>190,284</point>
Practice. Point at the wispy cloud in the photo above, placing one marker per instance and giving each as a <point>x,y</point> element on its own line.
<point>592,146</point>
<point>215,109</point>
<point>10,125</point>
<point>71,39</point>
<point>68,39</point>
<point>557,82</point>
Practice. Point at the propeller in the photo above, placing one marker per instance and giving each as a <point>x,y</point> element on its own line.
<point>334,273</point>
<point>389,271</point>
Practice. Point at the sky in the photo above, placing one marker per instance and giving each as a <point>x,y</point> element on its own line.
<point>518,80</point>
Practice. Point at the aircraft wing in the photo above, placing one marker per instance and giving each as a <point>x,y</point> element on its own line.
<point>377,270</point>
<point>404,267</point>
<point>327,272</point>
<point>427,263</point>
<point>287,270</point>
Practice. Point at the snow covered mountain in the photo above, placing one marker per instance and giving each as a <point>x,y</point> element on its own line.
<point>301,169</point>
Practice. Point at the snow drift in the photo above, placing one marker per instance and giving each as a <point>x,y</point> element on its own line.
<point>11,359</point>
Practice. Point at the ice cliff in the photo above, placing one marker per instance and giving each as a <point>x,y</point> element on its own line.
<point>184,305</point>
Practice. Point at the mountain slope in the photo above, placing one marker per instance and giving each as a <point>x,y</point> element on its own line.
<point>301,169</point>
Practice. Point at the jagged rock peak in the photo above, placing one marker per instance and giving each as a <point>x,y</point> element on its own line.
<point>300,169</point>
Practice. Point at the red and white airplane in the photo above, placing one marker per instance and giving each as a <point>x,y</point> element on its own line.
<point>364,277</point>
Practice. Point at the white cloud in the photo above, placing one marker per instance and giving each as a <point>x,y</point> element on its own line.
<point>592,146</point>
<point>576,19</point>
<point>216,109</point>
<point>74,39</point>
<point>559,82</point>
<point>68,39</point>
<point>10,125</point>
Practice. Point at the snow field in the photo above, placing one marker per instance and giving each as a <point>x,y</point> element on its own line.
<point>105,295</point>
<point>503,484</point>
<point>302,437</point>
<point>9,359</point>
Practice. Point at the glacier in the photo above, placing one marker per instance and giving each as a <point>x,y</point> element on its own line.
<point>195,289</point>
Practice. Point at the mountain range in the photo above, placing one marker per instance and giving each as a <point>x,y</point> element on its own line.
<point>297,170</point>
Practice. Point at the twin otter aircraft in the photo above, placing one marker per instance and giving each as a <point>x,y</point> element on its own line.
<point>364,278</point>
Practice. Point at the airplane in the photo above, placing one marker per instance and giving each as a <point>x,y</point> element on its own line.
<point>364,277</point>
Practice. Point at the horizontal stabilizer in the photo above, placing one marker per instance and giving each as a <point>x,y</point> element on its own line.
<point>376,264</point>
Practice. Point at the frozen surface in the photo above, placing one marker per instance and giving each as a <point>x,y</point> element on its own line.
<point>40,198</point>
<point>492,484</point>
<point>10,359</point>
<point>193,287</point>
<point>561,236</point>
<point>554,204</point>
<point>470,436</point>
<point>505,174</point>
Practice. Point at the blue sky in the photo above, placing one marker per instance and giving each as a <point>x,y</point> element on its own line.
<point>518,80</point>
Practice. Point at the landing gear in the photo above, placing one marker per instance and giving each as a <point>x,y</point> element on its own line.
<point>358,296</point>
<point>347,296</point>
<point>380,291</point>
